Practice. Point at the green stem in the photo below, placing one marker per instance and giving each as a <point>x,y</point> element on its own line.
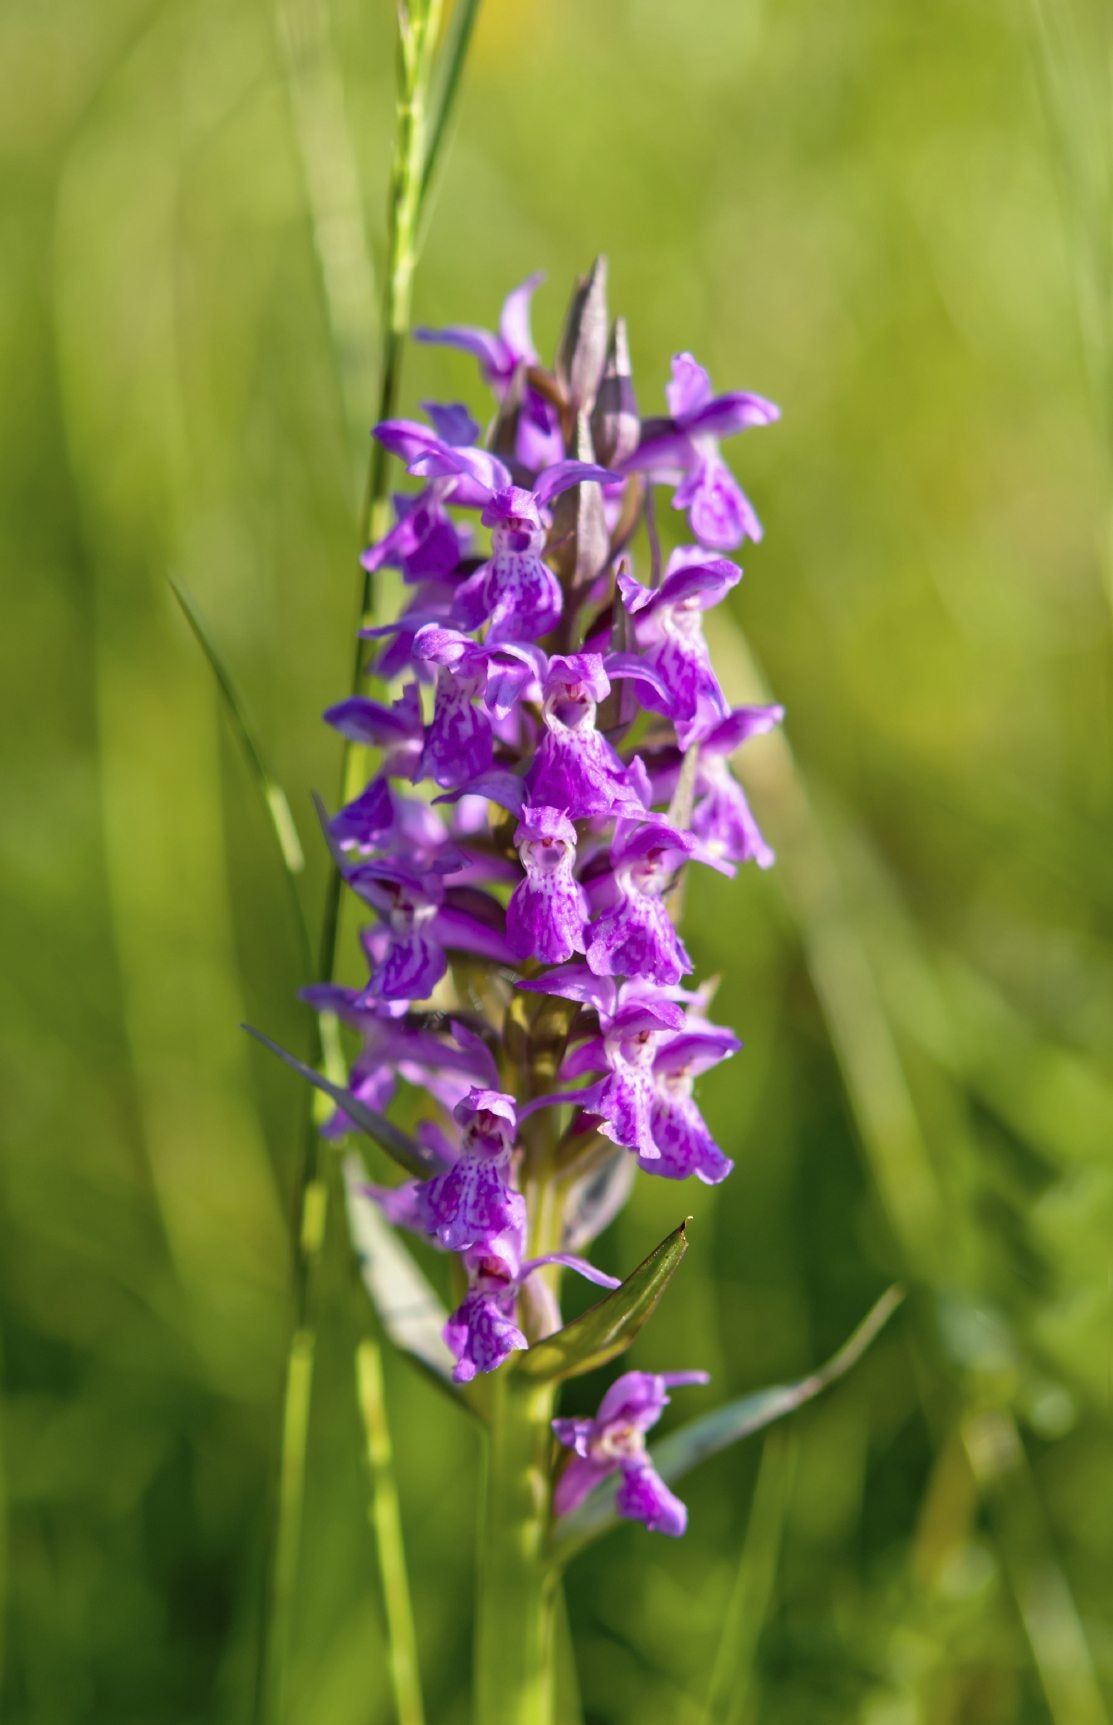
<point>514,1626</point>
<point>514,1649</point>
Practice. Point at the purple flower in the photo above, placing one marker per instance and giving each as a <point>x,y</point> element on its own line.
<point>682,1143</point>
<point>722,819</point>
<point>547,913</point>
<point>515,594</point>
<point>393,1047</point>
<point>615,1440</point>
<point>395,729</point>
<point>625,1050</point>
<point>684,450</point>
<point>501,354</point>
<point>411,961</point>
<point>424,542</point>
<point>459,743</point>
<point>483,1330</point>
<point>668,625</point>
<point>636,937</point>
<point>473,1203</point>
<point>381,819</point>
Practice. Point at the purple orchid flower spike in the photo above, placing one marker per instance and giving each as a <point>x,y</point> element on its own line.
<point>501,354</point>
<point>614,1441</point>
<point>684,450</point>
<point>517,835</point>
<point>668,626</point>
<point>547,914</point>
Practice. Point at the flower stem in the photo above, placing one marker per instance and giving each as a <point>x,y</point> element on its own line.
<point>516,1595</point>
<point>514,1626</point>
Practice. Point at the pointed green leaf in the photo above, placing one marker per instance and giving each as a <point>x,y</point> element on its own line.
<point>607,1328</point>
<point>676,1454</point>
<point>398,1145</point>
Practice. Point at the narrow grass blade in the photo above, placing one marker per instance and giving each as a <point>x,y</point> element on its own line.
<point>398,1145</point>
<point>731,1698</point>
<point>273,796</point>
<point>608,1328</point>
<point>1051,1618</point>
<point>386,1525</point>
<point>451,60</point>
<point>677,1454</point>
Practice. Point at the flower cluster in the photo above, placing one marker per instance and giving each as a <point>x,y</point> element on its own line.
<point>554,756</point>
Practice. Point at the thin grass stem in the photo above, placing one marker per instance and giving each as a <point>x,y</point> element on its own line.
<point>418,26</point>
<point>386,1524</point>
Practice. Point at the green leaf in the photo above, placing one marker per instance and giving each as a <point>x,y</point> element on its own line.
<point>607,1328</point>
<point>678,1453</point>
<point>398,1145</point>
<point>407,1306</point>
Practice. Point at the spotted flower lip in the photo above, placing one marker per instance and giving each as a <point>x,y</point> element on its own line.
<point>614,1441</point>
<point>547,915</point>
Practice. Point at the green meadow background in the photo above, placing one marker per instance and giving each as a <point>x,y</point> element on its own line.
<point>894,219</point>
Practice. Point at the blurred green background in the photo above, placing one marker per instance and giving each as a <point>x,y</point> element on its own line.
<point>893,219</point>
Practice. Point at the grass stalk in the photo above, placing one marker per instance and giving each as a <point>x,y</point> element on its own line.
<point>386,1524</point>
<point>418,26</point>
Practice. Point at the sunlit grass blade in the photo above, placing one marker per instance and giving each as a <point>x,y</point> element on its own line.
<point>730,1694</point>
<point>335,203</point>
<point>386,1524</point>
<point>682,1450</point>
<point>608,1328</point>
<point>1052,1624</point>
<point>270,792</point>
<point>450,68</point>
